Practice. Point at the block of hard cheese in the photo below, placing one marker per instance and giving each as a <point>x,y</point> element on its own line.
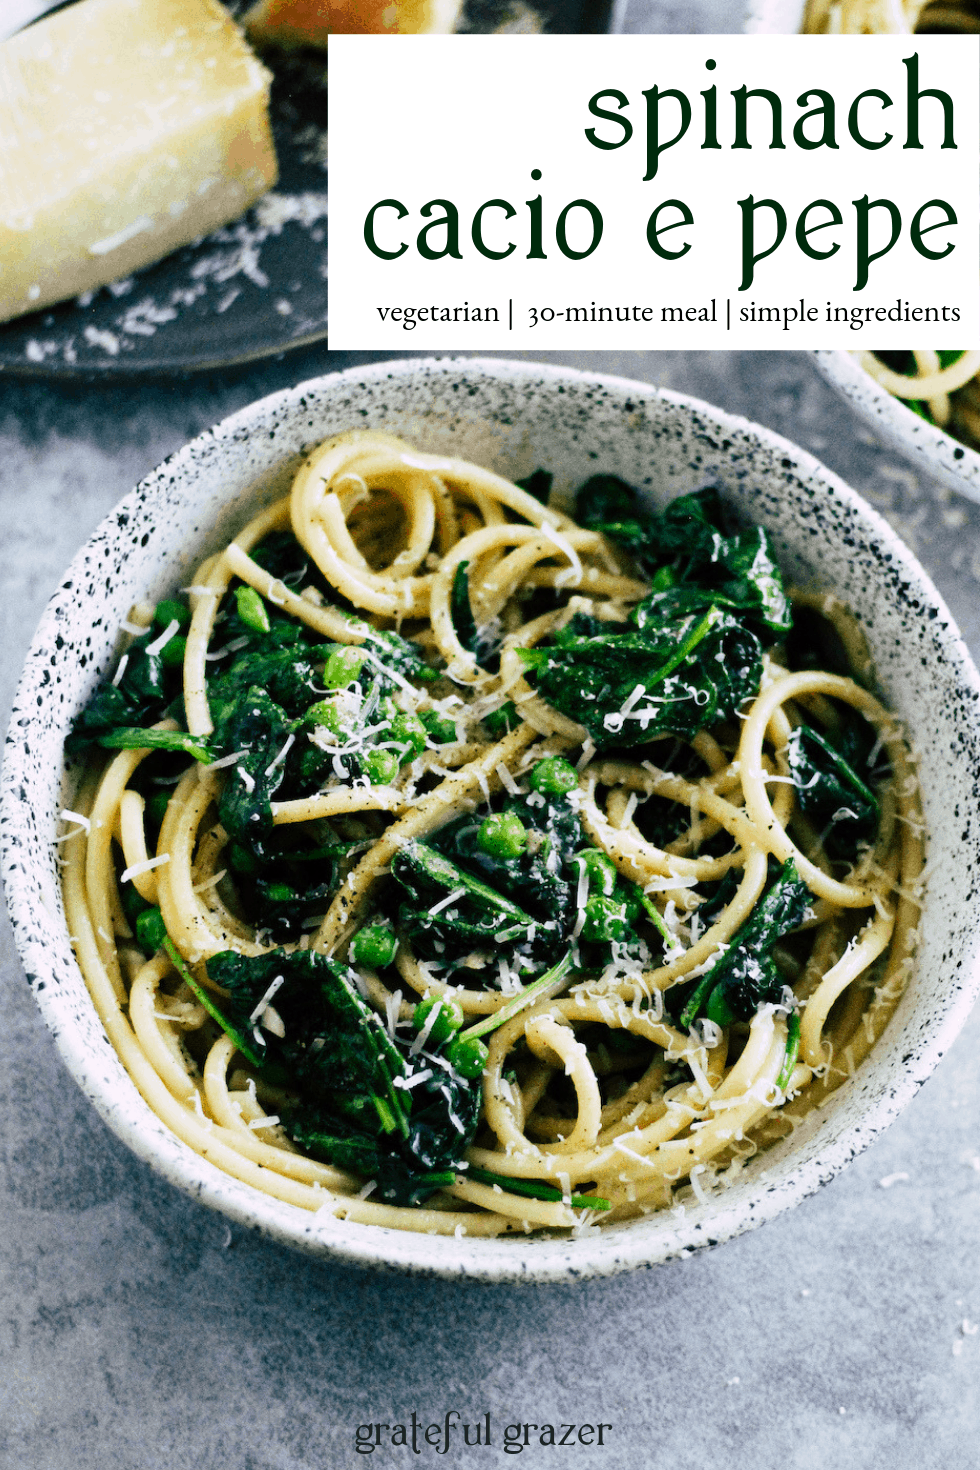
<point>310,22</point>
<point>127,128</point>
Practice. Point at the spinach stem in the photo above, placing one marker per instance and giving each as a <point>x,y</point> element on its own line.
<point>657,920</point>
<point>543,988</point>
<point>207,1001</point>
<point>690,643</point>
<point>792,1050</point>
<point>696,1000</point>
<point>535,1189</point>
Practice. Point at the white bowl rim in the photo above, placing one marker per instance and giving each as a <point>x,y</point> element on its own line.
<point>929,447</point>
<point>509,1259</point>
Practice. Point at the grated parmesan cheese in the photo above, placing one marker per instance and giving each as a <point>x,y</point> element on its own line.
<point>290,741</point>
<point>160,643</point>
<point>507,780</point>
<point>444,903</point>
<point>264,1122</point>
<point>225,760</point>
<point>392,1007</point>
<point>145,866</point>
<point>572,576</point>
<point>277,982</point>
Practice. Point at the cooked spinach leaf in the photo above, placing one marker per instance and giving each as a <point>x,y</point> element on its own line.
<point>746,976</point>
<point>285,882</point>
<point>390,651</point>
<point>692,652</point>
<point>365,1103</point>
<point>282,556</point>
<point>290,676</point>
<point>537,483</point>
<point>477,914</point>
<point>255,725</point>
<point>239,1033</point>
<point>608,505</point>
<point>674,676</point>
<point>472,890</point>
<point>142,695</point>
<point>687,544</point>
<point>831,792</point>
<point>461,610</point>
<point>521,895</point>
<point>542,876</point>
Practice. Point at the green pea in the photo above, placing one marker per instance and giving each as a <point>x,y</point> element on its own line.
<point>408,730</point>
<point>133,903</point>
<point>324,716</point>
<point>251,609</point>
<point>601,870</point>
<point>280,893</point>
<point>169,611</point>
<point>502,835</point>
<point>441,731</point>
<point>554,776</point>
<point>172,652</point>
<point>467,1055</point>
<point>605,920</point>
<point>151,931</point>
<point>343,667</point>
<point>374,946</point>
<point>380,766</point>
<point>500,722</point>
<point>449,1017</point>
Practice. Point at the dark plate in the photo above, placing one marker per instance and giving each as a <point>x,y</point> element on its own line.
<point>258,286</point>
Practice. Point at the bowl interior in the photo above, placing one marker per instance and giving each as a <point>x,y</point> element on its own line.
<point>929,448</point>
<point>513,417</point>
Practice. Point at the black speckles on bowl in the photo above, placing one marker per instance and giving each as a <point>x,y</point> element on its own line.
<point>513,417</point>
<point>929,448</point>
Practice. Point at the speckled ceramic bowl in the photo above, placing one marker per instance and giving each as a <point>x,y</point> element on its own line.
<point>931,450</point>
<point>513,417</point>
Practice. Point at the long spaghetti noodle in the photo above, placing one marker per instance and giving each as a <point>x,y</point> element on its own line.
<point>402,912</point>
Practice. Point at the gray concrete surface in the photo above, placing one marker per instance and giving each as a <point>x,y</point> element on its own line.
<point>139,1332</point>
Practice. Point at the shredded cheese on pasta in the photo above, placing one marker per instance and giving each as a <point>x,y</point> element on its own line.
<point>594,1091</point>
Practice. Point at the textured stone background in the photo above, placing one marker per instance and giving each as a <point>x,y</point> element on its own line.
<point>140,1332</point>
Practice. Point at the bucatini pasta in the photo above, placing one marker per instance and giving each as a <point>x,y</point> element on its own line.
<point>942,387</point>
<point>454,864</point>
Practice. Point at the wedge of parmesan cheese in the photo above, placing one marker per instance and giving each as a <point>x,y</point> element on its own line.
<point>127,128</point>
<point>310,22</point>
